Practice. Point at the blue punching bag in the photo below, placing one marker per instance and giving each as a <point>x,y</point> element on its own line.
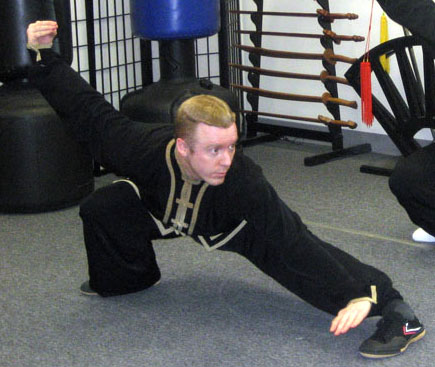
<point>175,19</point>
<point>42,167</point>
<point>175,24</point>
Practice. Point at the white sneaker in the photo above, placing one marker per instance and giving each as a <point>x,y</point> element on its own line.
<point>420,235</point>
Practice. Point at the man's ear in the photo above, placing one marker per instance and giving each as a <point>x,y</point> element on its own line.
<point>182,147</point>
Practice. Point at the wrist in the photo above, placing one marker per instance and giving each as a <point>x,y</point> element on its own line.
<point>36,47</point>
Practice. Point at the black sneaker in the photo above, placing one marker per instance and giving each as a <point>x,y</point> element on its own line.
<point>393,335</point>
<point>87,290</point>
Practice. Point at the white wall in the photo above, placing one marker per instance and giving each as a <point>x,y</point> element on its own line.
<point>310,25</point>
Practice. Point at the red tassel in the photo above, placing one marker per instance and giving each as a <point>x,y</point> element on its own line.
<point>366,92</point>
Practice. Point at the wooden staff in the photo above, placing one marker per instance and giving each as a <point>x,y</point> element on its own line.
<point>325,98</point>
<point>326,33</point>
<point>323,77</point>
<point>320,119</point>
<point>328,55</point>
<point>320,12</point>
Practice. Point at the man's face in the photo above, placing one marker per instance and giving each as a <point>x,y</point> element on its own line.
<point>210,155</point>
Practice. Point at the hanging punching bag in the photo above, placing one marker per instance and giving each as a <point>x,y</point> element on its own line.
<point>176,24</point>
<point>175,19</point>
<point>41,166</point>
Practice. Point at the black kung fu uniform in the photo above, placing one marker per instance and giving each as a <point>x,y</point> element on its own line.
<point>243,215</point>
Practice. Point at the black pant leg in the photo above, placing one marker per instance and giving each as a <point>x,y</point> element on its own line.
<point>118,231</point>
<point>413,183</point>
<point>319,273</point>
<point>366,276</point>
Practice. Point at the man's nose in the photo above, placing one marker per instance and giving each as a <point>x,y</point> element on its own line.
<point>227,158</point>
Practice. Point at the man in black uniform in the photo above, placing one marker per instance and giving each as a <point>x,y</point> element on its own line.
<point>188,179</point>
<point>413,178</point>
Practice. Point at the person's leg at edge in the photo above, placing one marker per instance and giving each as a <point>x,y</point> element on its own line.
<point>118,231</point>
<point>413,184</point>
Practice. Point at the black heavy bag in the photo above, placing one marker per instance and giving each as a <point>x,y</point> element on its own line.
<point>15,16</point>
<point>41,166</point>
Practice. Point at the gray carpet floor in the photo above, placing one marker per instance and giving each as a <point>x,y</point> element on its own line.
<point>211,309</point>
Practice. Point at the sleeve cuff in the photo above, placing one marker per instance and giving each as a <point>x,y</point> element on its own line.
<point>372,299</point>
<point>36,48</point>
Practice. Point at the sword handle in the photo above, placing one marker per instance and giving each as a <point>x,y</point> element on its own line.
<point>332,16</point>
<point>324,76</point>
<point>327,120</point>
<point>332,58</point>
<point>327,98</point>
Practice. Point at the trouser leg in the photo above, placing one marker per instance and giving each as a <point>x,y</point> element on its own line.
<point>319,273</point>
<point>118,231</point>
<point>413,183</point>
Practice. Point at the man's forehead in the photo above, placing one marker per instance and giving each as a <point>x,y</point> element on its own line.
<point>208,134</point>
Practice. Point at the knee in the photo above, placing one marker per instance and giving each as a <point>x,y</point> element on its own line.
<point>397,181</point>
<point>414,173</point>
<point>108,199</point>
<point>403,179</point>
<point>92,204</point>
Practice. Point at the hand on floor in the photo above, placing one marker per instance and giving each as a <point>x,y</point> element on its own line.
<point>350,317</point>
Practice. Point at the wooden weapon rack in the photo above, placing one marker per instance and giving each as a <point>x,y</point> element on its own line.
<point>328,77</point>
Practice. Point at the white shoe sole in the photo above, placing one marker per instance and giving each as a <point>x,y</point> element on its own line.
<point>420,235</point>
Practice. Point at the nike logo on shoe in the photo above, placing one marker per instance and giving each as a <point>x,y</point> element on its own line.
<point>410,331</point>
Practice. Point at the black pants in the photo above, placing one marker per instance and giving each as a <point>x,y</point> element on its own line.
<point>413,183</point>
<point>118,232</point>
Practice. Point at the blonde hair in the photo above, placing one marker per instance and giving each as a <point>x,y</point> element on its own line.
<point>203,108</point>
